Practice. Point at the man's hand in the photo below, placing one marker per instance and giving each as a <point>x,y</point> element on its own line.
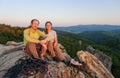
<point>43,43</point>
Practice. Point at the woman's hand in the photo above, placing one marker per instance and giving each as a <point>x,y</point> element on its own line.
<point>42,42</point>
<point>55,44</point>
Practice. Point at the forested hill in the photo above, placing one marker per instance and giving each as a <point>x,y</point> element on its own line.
<point>72,43</point>
<point>8,33</point>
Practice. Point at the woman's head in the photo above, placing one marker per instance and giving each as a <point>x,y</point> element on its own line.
<point>48,25</point>
<point>34,24</point>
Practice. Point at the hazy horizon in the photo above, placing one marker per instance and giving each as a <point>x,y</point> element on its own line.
<point>61,13</point>
<point>64,26</point>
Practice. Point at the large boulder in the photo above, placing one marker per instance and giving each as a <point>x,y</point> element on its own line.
<point>1,46</point>
<point>9,48</point>
<point>60,70</point>
<point>13,43</point>
<point>94,66</point>
<point>8,60</point>
<point>106,60</point>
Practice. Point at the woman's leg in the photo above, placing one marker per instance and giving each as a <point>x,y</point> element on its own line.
<point>51,48</point>
<point>59,53</point>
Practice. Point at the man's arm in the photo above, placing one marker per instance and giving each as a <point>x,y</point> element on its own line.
<point>44,36</point>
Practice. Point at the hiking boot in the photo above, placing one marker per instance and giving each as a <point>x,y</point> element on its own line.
<point>76,64</point>
<point>56,59</point>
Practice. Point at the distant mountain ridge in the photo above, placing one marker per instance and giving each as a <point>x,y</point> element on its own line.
<point>101,35</point>
<point>82,28</point>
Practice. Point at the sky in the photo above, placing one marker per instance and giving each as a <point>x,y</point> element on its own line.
<point>60,12</point>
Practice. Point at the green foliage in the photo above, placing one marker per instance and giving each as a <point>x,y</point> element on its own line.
<point>71,42</point>
<point>8,33</point>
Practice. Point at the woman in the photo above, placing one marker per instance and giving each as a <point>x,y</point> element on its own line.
<point>53,47</point>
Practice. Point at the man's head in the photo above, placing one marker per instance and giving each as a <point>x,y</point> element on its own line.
<point>34,24</point>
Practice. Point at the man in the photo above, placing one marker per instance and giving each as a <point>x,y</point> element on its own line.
<point>31,39</point>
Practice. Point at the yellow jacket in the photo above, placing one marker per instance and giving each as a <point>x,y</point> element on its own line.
<point>33,36</point>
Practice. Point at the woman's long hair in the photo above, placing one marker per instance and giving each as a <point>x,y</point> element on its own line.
<point>46,30</point>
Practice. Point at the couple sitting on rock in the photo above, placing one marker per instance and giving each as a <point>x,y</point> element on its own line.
<point>46,40</point>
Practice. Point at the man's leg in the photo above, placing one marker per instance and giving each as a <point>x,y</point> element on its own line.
<point>27,51</point>
<point>31,49</point>
<point>43,50</point>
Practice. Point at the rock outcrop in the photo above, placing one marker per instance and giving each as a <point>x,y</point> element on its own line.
<point>94,66</point>
<point>106,60</point>
<point>8,56</point>
<point>11,53</point>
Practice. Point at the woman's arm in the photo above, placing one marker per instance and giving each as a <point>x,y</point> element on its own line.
<point>42,34</point>
<point>55,40</point>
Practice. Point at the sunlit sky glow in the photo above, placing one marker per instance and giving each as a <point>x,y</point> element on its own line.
<point>60,12</point>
